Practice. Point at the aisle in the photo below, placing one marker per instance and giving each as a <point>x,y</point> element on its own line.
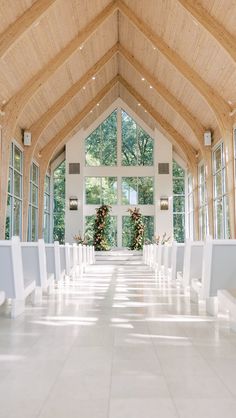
<point>118,343</point>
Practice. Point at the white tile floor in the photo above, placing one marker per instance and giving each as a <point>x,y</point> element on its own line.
<point>119,343</point>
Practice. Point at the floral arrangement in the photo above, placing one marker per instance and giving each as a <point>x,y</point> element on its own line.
<point>79,239</point>
<point>102,228</point>
<point>161,240</point>
<point>137,229</point>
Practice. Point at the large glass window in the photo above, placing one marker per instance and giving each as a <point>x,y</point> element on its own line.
<point>101,145</point>
<point>137,145</point>
<point>203,207</point>
<point>15,194</point>
<point>101,190</point>
<point>221,219</point>
<point>47,211</point>
<point>59,203</point>
<point>33,203</point>
<point>137,190</point>
<point>178,202</point>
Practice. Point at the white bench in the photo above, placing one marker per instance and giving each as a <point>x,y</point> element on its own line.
<point>193,260</point>
<point>218,272</point>
<point>167,252</point>
<point>12,281</point>
<point>227,304</point>
<point>177,260</point>
<point>34,267</point>
<point>53,262</point>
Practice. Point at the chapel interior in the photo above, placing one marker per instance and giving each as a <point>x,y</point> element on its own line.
<point>117,208</point>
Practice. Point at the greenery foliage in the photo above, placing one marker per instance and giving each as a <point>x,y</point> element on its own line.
<point>89,230</point>
<point>137,145</point>
<point>101,145</point>
<point>101,190</point>
<point>137,229</point>
<point>102,226</point>
<point>178,202</point>
<point>59,203</point>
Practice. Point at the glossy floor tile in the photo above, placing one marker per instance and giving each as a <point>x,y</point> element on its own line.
<point>118,342</point>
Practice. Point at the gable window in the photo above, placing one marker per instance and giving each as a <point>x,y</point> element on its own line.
<point>137,145</point>
<point>101,144</point>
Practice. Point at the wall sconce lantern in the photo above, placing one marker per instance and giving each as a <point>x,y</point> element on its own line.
<point>73,203</point>
<point>164,203</point>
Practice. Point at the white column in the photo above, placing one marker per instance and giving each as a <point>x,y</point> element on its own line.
<point>163,185</point>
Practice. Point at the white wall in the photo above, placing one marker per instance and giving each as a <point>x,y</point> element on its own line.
<point>74,183</point>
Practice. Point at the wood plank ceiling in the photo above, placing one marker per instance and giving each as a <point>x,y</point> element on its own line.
<point>161,51</point>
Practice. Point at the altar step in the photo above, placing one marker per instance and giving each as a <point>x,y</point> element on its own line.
<point>117,256</point>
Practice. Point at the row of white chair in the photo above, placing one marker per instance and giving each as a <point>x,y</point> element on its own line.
<point>205,269</point>
<point>31,268</point>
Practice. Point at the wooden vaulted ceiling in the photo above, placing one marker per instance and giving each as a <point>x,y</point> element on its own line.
<point>172,61</point>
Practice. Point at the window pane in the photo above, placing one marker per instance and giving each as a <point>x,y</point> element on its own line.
<point>218,159</point>
<point>177,170</point>
<point>10,181</point>
<point>109,190</point>
<point>126,231</point>
<point>145,148</point>
<point>17,217</point>
<point>8,232</point>
<point>92,149</point>
<point>179,227</point>
<point>34,195</point>
<point>46,202</point>
<point>93,190</point>
<point>178,186</point>
<point>129,140</point>
<point>59,202</point>
<point>17,184</point>
<point>145,190</point>
<point>129,191</point>
<point>218,184</point>
<point>219,218</point>
<point>148,228</point>
<point>100,146</point>
<point>179,204</point>
<point>109,140</point>
<point>46,227</point>
<point>17,159</point>
<point>137,145</point>
<point>89,230</point>
<point>34,174</point>
<point>47,184</point>
<point>34,223</point>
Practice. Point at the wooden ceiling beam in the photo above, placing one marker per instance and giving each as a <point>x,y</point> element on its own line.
<point>224,39</point>
<point>13,32</point>
<point>16,104</point>
<point>165,126</point>
<point>196,127</point>
<point>47,151</point>
<point>217,104</point>
<point>40,125</point>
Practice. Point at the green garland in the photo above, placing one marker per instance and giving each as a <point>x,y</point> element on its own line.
<point>102,228</point>
<point>137,229</point>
